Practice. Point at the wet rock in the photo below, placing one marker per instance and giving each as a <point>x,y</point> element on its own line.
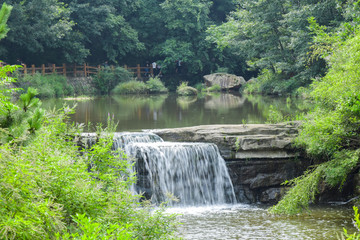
<point>224,80</point>
<point>271,195</point>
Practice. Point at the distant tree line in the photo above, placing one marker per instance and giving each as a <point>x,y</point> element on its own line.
<point>268,38</point>
<point>120,31</point>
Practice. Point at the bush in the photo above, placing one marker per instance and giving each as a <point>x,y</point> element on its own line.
<point>107,79</point>
<point>330,132</point>
<point>200,87</point>
<point>49,190</point>
<point>185,90</point>
<point>131,87</point>
<point>48,86</point>
<point>213,88</point>
<point>154,85</point>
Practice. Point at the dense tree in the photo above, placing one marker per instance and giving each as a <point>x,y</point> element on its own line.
<point>274,35</point>
<point>38,31</point>
<point>330,132</point>
<point>121,31</point>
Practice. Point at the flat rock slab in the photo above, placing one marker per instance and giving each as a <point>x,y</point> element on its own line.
<point>241,141</point>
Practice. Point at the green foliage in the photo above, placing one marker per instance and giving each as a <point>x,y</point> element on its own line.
<point>131,87</point>
<point>4,16</point>
<point>107,79</point>
<point>6,106</point>
<point>303,191</point>
<point>213,88</point>
<point>48,86</point>
<point>274,36</point>
<point>28,99</point>
<point>89,229</point>
<point>155,85</point>
<point>330,132</point>
<point>275,116</point>
<point>200,87</point>
<point>305,188</point>
<point>35,121</point>
<point>356,235</point>
<point>47,190</point>
<point>184,90</point>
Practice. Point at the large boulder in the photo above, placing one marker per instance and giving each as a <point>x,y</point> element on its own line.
<point>225,80</point>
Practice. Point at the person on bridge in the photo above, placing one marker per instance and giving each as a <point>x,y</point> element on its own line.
<point>178,66</point>
<point>154,68</point>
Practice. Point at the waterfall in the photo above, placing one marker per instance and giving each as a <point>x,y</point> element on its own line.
<point>195,173</point>
<point>121,140</point>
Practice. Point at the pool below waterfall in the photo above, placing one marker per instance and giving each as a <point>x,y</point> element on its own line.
<point>242,221</point>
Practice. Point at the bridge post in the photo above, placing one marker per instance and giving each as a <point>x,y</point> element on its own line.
<point>43,69</point>
<point>138,71</point>
<point>64,69</point>
<point>85,73</point>
<point>32,69</point>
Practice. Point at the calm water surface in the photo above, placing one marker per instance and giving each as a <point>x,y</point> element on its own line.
<point>169,111</point>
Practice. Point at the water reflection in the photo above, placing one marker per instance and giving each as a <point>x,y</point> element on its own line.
<point>169,111</point>
<point>224,102</point>
<point>184,102</point>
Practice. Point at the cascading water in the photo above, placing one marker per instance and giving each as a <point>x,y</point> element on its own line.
<point>195,173</point>
<point>121,140</point>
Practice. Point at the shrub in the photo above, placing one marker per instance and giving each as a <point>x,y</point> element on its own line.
<point>131,87</point>
<point>185,90</point>
<point>48,86</point>
<point>213,88</point>
<point>200,87</point>
<point>49,190</point>
<point>154,85</point>
<point>330,132</point>
<point>107,79</point>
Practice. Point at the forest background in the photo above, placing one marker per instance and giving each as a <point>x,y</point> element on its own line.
<point>270,39</point>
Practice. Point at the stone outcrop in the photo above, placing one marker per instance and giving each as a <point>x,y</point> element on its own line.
<point>259,156</point>
<point>224,80</point>
<point>242,141</point>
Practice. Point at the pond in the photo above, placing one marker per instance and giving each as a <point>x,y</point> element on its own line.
<point>134,113</point>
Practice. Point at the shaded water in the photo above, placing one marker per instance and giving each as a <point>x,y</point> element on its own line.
<point>169,111</point>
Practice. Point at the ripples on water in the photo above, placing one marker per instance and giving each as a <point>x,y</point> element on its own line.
<point>243,221</point>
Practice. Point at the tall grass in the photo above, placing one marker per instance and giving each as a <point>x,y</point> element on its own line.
<point>153,85</point>
<point>48,86</point>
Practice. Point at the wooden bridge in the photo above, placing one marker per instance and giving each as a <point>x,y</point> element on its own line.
<point>85,70</point>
